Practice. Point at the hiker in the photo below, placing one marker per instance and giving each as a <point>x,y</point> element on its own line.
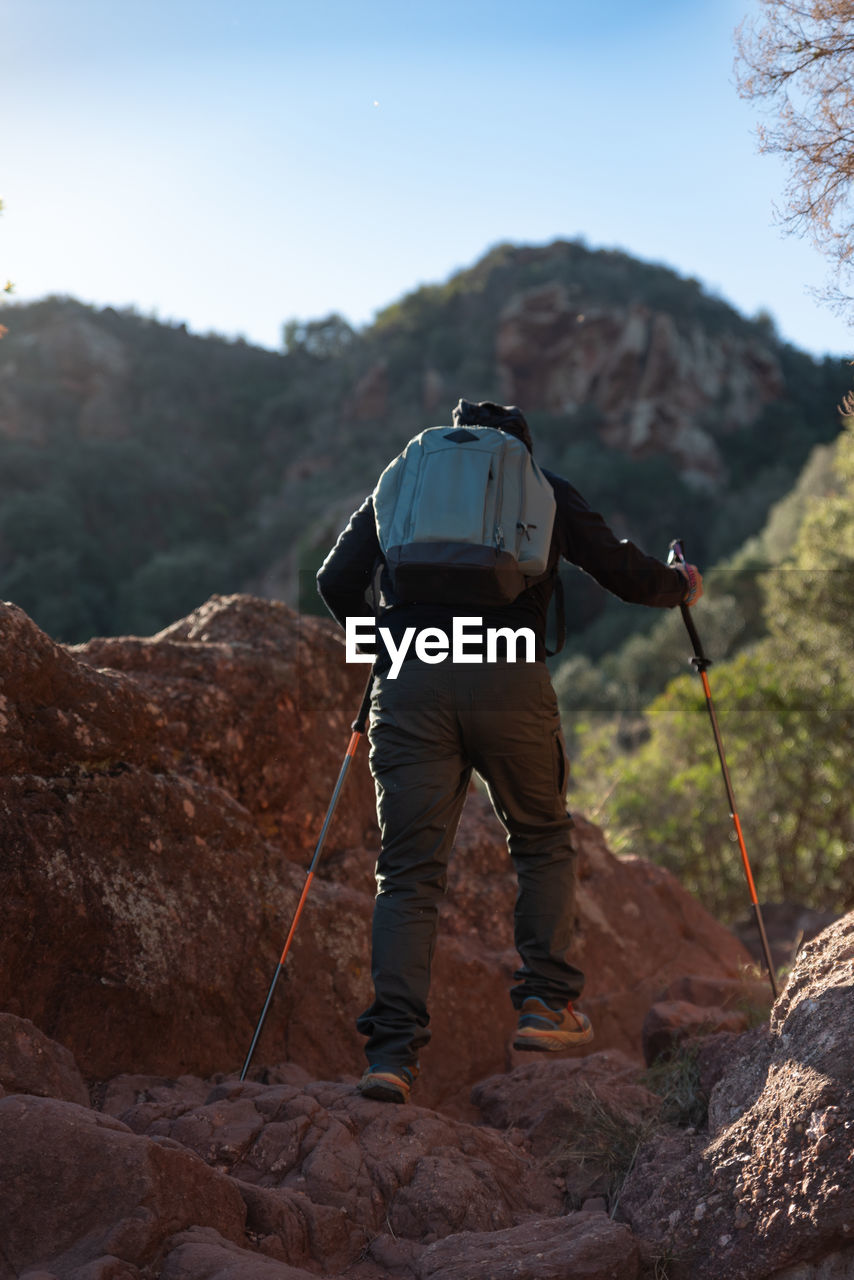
<point>433,721</point>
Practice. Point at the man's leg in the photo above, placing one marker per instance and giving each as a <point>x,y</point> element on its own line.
<point>515,742</point>
<point>421,781</point>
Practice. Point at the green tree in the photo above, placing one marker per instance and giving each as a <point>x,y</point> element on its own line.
<point>787,713</point>
<point>324,339</point>
<point>168,586</point>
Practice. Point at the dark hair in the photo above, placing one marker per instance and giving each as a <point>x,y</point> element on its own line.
<point>486,414</point>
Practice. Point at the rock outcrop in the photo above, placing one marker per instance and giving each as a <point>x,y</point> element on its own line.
<point>660,387</point>
<point>32,1063</point>
<point>160,801</point>
<point>770,1187</point>
<point>570,1166</point>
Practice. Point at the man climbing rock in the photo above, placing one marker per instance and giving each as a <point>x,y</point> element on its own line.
<point>440,709</point>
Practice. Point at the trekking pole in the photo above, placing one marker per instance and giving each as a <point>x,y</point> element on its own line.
<point>358,729</point>
<point>676,555</point>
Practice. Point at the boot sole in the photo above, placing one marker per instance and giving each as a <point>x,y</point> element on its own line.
<point>379,1091</point>
<point>545,1042</point>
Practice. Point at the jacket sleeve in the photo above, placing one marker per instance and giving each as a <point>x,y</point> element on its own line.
<point>344,578</point>
<point>619,566</point>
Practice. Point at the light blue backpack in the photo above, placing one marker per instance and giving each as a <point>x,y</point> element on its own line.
<point>464,516</point>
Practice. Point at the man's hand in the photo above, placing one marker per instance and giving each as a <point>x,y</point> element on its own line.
<point>694,578</point>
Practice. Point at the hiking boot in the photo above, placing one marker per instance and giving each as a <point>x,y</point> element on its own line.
<point>549,1027</point>
<point>387,1084</point>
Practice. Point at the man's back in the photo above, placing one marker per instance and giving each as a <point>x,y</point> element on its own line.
<point>434,720</point>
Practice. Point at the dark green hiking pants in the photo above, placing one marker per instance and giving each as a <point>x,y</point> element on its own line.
<point>429,728</point>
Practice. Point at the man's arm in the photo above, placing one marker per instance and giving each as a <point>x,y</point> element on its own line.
<point>620,567</point>
<point>345,575</point>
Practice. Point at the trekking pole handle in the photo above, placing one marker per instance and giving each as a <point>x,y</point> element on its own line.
<point>675,557</point>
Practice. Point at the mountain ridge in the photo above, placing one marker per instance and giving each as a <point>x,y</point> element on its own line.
<point>143,468</point>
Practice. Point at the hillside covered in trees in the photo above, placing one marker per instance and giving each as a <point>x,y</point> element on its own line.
<point>142,468</point>
<point>779,614</point>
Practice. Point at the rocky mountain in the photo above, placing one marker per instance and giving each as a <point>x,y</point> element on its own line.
<point>159,800</point>
<point>142,468</point>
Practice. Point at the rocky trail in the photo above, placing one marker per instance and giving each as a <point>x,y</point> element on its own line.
<point>159,800</point>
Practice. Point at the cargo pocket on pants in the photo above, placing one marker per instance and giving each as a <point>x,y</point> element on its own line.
<point>560,764</point>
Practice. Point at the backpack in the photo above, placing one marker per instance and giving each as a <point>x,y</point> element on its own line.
<point>464,516</point>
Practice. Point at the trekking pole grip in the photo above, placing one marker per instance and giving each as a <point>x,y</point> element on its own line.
<point>676,556</point>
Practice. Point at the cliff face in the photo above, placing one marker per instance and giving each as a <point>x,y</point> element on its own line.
<point>660,385</point>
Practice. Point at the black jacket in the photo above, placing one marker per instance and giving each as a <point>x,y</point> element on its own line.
<point>580,536</point>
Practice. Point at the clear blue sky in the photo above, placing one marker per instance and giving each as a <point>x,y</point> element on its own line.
<point>233,165</point>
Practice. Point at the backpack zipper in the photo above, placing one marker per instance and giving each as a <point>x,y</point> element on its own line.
<point>498,532</point>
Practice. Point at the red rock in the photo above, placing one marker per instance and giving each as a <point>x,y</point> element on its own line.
<point>670,1024</point>
<point>545,1096</point>
<point>258,701</point>
<point>148,945</point>
<point>202,1254</point>
<point>654,383</point>
<point>838,1265</point>
<point>31,1063</point>
<point>773,1186</point>
<point>584,1246</point>
<point>81,1189</point>
<point>326,1171</point>
<point>627,908</point>
<point>582,1119</point>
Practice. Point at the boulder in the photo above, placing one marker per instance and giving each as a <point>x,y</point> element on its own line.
<point>31,1063</point>
<point>582,1245</point>
<point>83,1195</point>
<point>202,1254</point>
<point>639,931</point>
<point>771,1186</point>
<point>148,944</point>
<point>670,1024</point>
<point>257,701</point>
